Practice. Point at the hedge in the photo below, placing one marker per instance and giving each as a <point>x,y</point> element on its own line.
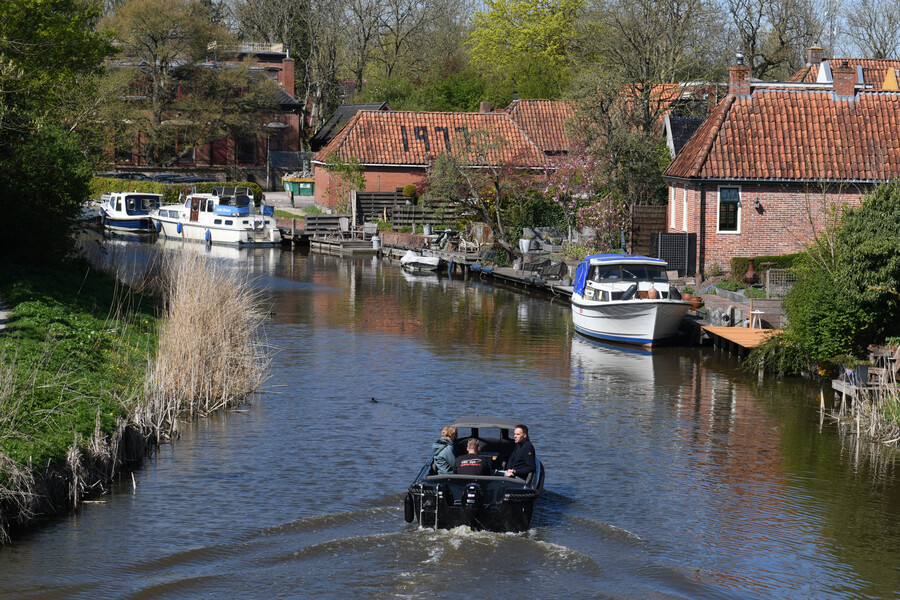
<point>170,191</point>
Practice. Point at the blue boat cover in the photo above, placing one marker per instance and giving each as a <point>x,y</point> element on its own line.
<point>581,272</point>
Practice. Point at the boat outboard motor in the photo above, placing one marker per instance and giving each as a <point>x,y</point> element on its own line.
<point>474,496</point>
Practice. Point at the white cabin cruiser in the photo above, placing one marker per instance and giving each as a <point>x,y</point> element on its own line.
<point>626,298</point>
<point>227,216</point>
<point>129,212</point>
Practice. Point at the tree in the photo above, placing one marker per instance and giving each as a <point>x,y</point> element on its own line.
<point>575,180</point>
<point>47,49</point>
<point>874,25</point>
<point>847,295</point>
<point>774,35</point>
<point>524,44</point>
<point>476,177</point>
<point>178,98</point>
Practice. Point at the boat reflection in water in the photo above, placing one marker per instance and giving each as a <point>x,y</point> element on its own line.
<point>598,364</point>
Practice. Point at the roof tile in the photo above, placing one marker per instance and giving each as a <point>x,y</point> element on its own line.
<point>795,135</point>
<point>412,138</point>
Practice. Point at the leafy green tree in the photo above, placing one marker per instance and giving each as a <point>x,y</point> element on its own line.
<point>524,45</point>
<point>48,48</point>
<point>848,291</point>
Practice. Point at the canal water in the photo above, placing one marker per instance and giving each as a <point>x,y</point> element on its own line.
<point>670,474</point>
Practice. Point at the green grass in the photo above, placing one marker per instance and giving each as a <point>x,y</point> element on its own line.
<point>74,354</point>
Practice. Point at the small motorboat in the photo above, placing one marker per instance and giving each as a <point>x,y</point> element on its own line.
<point>416,262</point>
<point>129,212</point>
<point>227,216</point>
<point>626,298</point>
<point>484,502</point>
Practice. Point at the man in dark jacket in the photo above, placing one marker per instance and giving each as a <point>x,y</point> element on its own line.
<point>521,462</point>
<point>472,463</point>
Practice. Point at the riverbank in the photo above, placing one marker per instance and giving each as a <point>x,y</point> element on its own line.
<point>92,380</point>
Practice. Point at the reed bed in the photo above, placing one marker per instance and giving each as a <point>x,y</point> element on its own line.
<point>211,354</point>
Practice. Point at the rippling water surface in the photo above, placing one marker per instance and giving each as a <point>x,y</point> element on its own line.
<point>669,474</point>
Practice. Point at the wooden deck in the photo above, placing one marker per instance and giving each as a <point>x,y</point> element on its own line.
<point>738,340</point>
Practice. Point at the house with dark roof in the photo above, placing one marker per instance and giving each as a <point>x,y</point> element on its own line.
<point>395,148</point>
<point>338,119</point>
<point>762,172</point>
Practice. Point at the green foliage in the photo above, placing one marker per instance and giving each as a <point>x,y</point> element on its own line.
<point>755,293</point>
<point>730,285</point>
<point>45,183</point>
<point>170,191</point>
<point>533,210</point>
<point>344,176</point>
<point>740,264</point>
<point>457,91</point>
<point>73,356</point>
<point>525,43</point>
<point>410,190</point>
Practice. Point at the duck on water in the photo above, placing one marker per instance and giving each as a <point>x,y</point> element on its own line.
<point>503,499</point>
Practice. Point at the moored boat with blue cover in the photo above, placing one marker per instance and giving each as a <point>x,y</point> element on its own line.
<point>626,298</point>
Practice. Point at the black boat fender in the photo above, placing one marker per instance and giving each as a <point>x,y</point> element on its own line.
<point>409,511</point>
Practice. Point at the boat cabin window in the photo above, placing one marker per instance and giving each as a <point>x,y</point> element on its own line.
<point>217,221</point>
<point>130,203</point>
<point>229,222</point>
<point>119,204</point>
<point>643,273</point>
<point>605,273</point>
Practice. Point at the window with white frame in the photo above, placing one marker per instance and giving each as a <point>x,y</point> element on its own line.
<point>672,213</point>
<point>684,211</point>
<point>729,210</point>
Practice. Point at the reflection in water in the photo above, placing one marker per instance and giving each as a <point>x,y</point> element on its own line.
<point>669,473</point>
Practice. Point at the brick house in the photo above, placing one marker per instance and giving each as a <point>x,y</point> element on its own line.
<point>396,147</point>
<point>760,174</point>
<point>284,129</point>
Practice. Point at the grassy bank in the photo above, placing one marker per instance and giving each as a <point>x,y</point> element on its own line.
<point>93,373</point>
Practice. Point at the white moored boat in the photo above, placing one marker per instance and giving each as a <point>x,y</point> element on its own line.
<point>227,216</point>
<point>626,298</point>
<point>416,262</point>
<point>129,212</point>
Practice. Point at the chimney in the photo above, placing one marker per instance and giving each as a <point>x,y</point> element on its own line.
<point>485,107</point>
<point>287,75</point>
<point>739,78</point>
<point>813,55</point>
<point>515,96</point>
<point>844,80</point>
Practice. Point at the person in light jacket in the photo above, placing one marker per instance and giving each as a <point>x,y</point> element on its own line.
<point>444,458</point>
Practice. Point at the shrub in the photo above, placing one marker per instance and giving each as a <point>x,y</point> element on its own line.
<point>730,285</point>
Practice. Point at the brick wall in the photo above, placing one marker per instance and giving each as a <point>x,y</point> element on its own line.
<point>787,220</point>
<point>378,179</point>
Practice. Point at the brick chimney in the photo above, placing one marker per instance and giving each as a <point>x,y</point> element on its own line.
<point>739,78</point>
<point>485,107</point>
<point>844,79</point>
<point>813,55</point>
<point>287,75</point>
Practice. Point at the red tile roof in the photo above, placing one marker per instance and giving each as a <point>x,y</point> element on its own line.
<point>873,70</point>
<point>544,121</point>
<point>791,134</point>
<point>411,138</point>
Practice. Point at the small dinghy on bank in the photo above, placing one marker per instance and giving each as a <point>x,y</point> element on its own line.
<point>416,262</point>
<point>490,502</point>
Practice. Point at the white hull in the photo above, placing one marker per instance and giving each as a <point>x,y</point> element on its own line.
<point>178,229</point>
<point>415,262</point>
<point>638,321</point>
<point>219,220</point>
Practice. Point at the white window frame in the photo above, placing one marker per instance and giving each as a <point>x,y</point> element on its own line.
<point>673,193</point>
<point>684,210</point>
<point>719,210</point>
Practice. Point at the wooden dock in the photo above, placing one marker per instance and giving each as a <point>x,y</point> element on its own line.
<point>737,340</point>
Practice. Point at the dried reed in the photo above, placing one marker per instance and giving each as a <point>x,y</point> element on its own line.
<point>210,353</point>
